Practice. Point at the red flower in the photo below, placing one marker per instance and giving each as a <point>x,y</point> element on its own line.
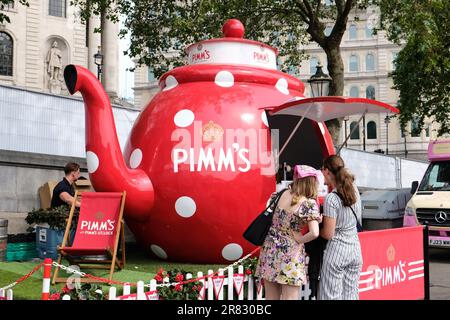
<point>248,271</point>
<point>55,296</point>
<point>178,287</point>
<point>161,270</point>
<point>194,288</point>
<point>66,289</point>
<point>179,277</point>
<point>158,278</point>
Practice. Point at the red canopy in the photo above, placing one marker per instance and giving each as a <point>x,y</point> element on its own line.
<point>325,108</point>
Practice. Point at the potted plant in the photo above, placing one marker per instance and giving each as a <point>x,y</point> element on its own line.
<point>50,226</point>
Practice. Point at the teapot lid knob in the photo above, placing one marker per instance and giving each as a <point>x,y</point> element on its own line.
<point>233,28</point>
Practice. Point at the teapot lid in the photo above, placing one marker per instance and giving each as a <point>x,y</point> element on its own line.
<point>233,49</point>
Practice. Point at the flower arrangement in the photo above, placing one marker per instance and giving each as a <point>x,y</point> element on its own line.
<point>55,217</point>
<point>85,291</point>
<point>190,291</point>
<point>187,291</point>
<point>249,266</point>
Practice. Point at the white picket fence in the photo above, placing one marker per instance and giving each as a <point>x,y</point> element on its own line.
<point>214,288</point>
<point>6,294</point>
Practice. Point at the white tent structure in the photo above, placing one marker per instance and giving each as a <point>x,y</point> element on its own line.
<point>37,122</point>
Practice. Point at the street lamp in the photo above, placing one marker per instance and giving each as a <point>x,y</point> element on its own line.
<point>404,132</point>
<point>319,82</point>
<point>346,118</point>
<point>98,60</point>
<point>364,132</point>
<point>387,120</point>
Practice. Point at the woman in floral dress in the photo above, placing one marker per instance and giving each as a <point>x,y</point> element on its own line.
<point>282,259</point>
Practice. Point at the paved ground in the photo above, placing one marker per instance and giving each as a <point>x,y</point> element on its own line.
<point>439,274</point>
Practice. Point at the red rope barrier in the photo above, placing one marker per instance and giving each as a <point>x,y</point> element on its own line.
<point>23,278</point>
<point>132,284</point>
<point>30,273</point>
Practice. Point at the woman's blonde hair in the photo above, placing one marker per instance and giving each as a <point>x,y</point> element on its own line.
<point>344,179</point>
<point>306,187</point>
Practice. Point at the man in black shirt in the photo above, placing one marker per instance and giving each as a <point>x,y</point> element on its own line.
<point>64,192</point>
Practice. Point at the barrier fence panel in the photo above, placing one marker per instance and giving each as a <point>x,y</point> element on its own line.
<point>395,264</point>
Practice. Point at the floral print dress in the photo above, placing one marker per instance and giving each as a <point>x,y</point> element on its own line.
<point>282,259</point>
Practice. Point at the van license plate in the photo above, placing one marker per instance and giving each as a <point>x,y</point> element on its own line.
<point>435,242</point>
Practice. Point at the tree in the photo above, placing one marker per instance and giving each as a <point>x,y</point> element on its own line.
<point>422,67</point>
<point>3,3</point>
<point>158,26</point>
<point>105,9</point>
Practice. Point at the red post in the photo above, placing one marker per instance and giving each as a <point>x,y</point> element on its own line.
<point>46,279</point>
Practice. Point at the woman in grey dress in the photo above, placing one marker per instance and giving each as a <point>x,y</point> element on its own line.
<point>342,260</point>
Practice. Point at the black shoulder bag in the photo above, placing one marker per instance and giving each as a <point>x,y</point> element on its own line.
<point>359,227</point>
<point>258,229</point>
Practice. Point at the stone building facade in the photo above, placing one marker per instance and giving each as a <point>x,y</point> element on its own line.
<point>43,38</point>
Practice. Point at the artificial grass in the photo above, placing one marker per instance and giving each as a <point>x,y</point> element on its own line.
<point>138,267</point>
<point>30,289</point>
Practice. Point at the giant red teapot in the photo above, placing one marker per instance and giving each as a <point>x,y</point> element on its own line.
<point>198,164</point>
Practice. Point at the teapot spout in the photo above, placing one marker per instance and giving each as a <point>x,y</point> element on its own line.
<point>106,166</point>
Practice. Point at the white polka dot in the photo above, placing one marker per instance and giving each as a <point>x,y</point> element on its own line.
<point>185,207</point>
<point>232,252</point>
<point>322,129</point>
<point>92,161</point>
<point>247,117</point>
<point>282,86</point>
<point>224,79</point>
<point>184,118</point>
<point>264,118</point>
<point>158,251</point>
<point>171,83</point>
<point>135,158</point>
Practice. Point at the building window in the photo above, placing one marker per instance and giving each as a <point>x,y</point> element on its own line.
<point>369,31</point>
<point>355,134</point>
<point>57,8</point>
<point>9,6</point>
<point>394,57</point>
<point>371,130</point>
<point>354,92</point>
<point>370,62</point>
<point>353,63</point>
<point>292,71</point>
<point>328,30</point>
<point>370,92</point>
<point>150,75</point>
<point>6,54</point>
<point>352,32</point>
<point>312,65</point>
<point>415,131</point>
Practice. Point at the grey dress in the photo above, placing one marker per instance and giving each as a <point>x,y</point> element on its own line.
<point>342,260</point>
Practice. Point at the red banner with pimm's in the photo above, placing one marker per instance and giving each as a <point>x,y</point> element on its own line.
<point>393,264</point>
